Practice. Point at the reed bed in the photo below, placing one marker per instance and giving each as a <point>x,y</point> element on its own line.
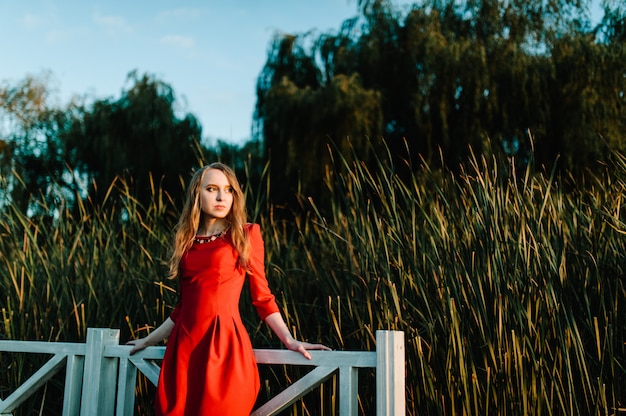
<point>509,285</point>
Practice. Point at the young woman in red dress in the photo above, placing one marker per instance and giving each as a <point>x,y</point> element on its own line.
<point>209,366</point>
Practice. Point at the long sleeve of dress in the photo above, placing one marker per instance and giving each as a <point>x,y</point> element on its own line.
<point>262,297</point>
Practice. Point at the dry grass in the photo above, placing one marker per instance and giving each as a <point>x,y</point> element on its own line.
<point>510,288</point>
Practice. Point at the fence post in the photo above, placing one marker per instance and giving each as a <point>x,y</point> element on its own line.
<point>73,384</point>
<point>390,373</point>
<point>348,391</point>
<point>98,395</point>
<point>127,381</point>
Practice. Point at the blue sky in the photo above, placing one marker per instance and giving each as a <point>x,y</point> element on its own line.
<point>210,51</point>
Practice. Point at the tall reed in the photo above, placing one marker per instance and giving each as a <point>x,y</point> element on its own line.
<point>509,285</point>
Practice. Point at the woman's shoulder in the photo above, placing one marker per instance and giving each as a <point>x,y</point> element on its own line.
<point>252,227</point>
<point>253,231</point>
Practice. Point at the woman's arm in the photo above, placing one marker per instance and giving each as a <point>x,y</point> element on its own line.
<point>163,331</point>
<point>277,324</point>
<point>263,299</point>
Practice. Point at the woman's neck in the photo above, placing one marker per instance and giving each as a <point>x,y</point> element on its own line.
<point>212,226</point>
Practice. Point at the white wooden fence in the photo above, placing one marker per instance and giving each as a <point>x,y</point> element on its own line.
<point>100,375</point>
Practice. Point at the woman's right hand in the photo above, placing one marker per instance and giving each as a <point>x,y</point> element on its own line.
<point>156,336</point>
<point>138,345</point>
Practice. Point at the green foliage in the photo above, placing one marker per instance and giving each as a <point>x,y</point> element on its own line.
<point>509,286</point>
<point>30,154</point>
<point>60,154</point>
<point>298,117</point>
<point>447,75</point>
<point>137,135</point>
<point>83,268</point>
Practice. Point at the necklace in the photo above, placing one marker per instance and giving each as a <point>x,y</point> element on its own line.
<point>209,238</point>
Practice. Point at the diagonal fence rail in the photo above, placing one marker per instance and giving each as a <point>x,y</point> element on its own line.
<point>101,369</point>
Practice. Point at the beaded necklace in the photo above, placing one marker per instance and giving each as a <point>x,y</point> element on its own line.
<point>209,238</point>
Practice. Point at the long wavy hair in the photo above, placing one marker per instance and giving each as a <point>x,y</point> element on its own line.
<point>191,218</point>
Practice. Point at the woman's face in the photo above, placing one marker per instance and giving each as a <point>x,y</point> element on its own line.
<point>216,194</point>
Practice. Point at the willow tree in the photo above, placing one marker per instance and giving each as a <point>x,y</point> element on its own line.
<point>304,113</point>
<point>589,92</point>
<point>449,74</point>
<point>138,136</point>
<point>30,155</point>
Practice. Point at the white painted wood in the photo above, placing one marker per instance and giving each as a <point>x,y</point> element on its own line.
<point>128,367</point>
<point>73,383</point>
<point>41,347</point>
<point>93,369</point>
<point>348,391</point>
<point>127,380</point>
<point>38,379</point>
<point>362,359</point>
<point>123,351</point>
<point>390,374</point>
<point>98,395</point>
<point>108,382</point>
<point>294,392</point>
<point>149,368</point>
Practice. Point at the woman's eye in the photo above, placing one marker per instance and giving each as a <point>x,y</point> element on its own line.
<point>215,189</point>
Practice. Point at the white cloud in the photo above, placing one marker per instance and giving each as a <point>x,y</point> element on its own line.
<point>31,21</point>
<point>179,41</point>
<point>180,14</point>
<point>58,36</point>
<point>113,24</point>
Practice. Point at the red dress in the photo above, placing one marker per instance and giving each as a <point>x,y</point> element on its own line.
<point>209,366</point>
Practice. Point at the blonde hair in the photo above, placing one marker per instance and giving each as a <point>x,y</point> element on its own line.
<point>191,217</point>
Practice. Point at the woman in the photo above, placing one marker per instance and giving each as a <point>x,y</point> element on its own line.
<point>209,366</point>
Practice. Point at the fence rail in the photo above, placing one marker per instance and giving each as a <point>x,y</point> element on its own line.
<point>101,369</point>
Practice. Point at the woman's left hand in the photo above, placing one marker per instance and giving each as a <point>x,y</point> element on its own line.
<point>304,347</point>
<point>275,321</point>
